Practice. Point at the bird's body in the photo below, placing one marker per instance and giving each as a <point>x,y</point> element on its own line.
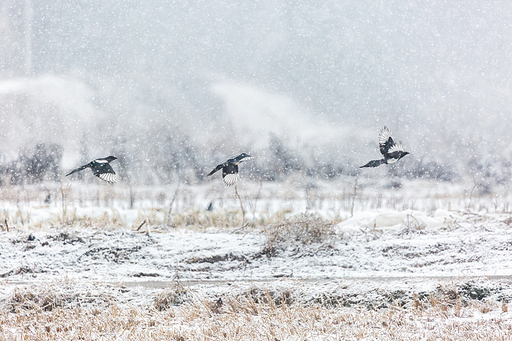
<point>101,168</point>
<point>391,151</point>
<point>230,168</point>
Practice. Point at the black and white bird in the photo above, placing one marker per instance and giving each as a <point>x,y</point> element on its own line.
<point>101,168</point>
<point>392,151</point>
<point>230,168</point>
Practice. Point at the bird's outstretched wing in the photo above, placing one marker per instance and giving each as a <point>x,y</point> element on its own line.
<point>111,178</point>
<point>385,141</point>
<point>230,178</point>
<point>374,163</point>
<point>79,169</point>
<point>219,167</point>
<point>397,147</point>
<point>105,172</point>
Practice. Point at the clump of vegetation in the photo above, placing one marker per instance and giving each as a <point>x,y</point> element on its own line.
<point>175,295</point>
<point>465,292</point>
<point>299,232</point>
<point>34,299</point>
<point>272,298</point>
<point>59,294</point>
<point>202,219</point>
<point>463,295</point>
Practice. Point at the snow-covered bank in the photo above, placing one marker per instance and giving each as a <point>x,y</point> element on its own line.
<point>371,245</point>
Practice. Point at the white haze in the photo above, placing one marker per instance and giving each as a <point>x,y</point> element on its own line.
<point>254,114</point>
<point>145,79</point>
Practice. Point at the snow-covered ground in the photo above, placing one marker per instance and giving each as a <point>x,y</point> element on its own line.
<point>407,241</point>
<point>417,258</point>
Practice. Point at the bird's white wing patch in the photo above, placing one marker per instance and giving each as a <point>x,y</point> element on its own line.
<point>384,136</point>
<point>100,161</point>
<point>397,147</point>
<point>109,177</point>
<point>248,158</point>
<point>231,179</point>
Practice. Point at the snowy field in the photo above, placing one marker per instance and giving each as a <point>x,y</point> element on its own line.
<point>316,260</point>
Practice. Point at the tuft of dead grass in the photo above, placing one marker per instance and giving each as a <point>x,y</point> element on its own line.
<point>175,295</point>
<point>301,230</point>
<point>55,295</point>
<point>202,219</point>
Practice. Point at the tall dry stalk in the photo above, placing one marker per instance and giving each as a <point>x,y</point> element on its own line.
<point>64,203</point>
<point>173,200</point>
<point>353,198</point>
<point>132,197</point>
<point>241,206</point>
<point>468,207</point>
<point>255,203</point>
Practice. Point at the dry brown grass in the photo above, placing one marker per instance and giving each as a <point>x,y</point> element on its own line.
<point>175,295</point>
<point>58,311</point>
<point>201,219</point>
<point>61,294</point>
<point>243,318</point>
<point>66,218</point>
<point>300,231</point>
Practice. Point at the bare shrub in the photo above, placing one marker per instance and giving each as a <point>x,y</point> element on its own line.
<point>35,166</point>
<point>423,169</point>
<point>300,230</point>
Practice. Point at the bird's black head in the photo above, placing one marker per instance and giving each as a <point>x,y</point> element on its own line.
<point>110,158</point>
<point>242,156</point>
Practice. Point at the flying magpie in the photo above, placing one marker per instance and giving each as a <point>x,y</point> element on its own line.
<point>230,168</point>
<point>101,168</point>
<point>392,151</point>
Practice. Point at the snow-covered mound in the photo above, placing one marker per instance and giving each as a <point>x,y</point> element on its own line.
<point>393,220</point>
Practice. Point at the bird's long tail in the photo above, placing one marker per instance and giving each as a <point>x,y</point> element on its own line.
<point>78,169</point>
<point>216,169</point>
<point>374,163</point>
